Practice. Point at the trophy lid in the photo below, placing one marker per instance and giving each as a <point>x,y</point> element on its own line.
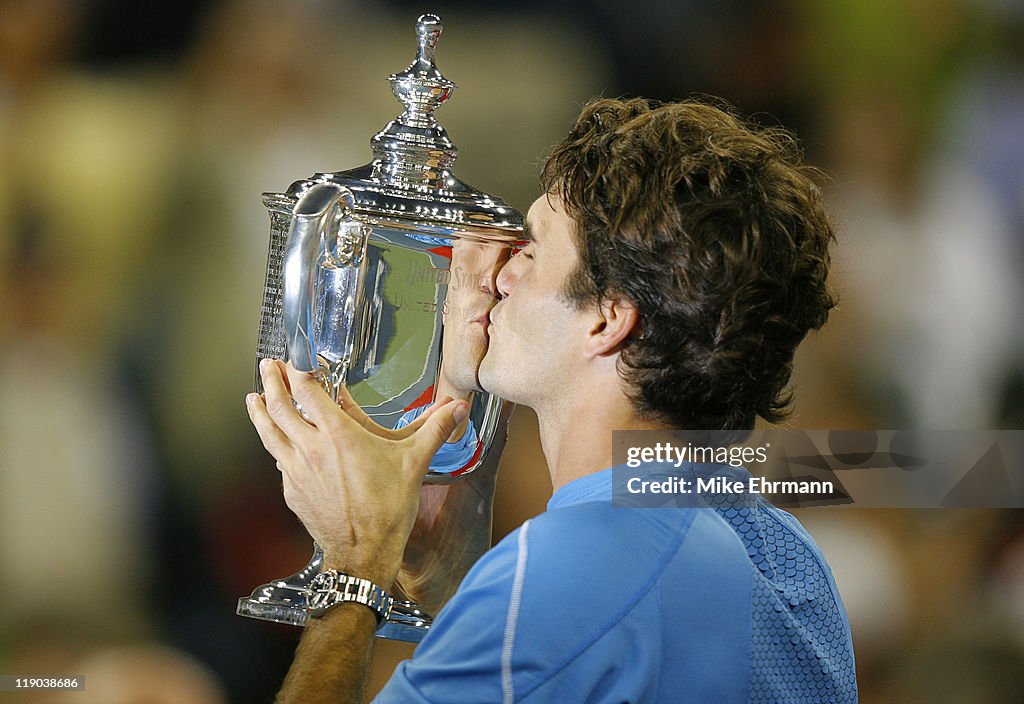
<point>409,178</point>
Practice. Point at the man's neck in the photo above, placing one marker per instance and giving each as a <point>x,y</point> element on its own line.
<point>576,436</point>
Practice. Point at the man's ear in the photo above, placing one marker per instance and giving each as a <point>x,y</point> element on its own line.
<point>616,319</point>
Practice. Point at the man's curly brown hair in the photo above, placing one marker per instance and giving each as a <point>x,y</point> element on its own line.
<point>717,234</point>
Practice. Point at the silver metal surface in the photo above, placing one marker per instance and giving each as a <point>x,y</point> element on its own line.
<point>284,600</point>
<point>409,181</point>
<point>311,241</point>
<point>407,622</point>
<point>381,278</point>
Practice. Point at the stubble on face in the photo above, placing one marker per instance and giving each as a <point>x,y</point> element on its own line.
<point>534,327</point>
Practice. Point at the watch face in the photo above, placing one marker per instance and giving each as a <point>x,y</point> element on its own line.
<point>323,586</point>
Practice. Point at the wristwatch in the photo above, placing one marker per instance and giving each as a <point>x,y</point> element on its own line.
<point>332,587</point>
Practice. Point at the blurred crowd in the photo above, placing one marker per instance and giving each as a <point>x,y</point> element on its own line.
<point>136,504</point>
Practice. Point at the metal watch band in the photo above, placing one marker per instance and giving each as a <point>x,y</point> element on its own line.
<point>331,587</point>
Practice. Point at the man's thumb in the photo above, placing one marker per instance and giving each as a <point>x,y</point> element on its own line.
<point>442,423</point>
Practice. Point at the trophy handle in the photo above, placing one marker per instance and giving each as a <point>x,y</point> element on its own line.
<point>320,217</point>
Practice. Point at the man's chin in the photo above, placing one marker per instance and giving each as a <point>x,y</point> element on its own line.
<point>486,375</point>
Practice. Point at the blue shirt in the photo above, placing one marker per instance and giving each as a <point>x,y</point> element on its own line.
<point>591,603</point>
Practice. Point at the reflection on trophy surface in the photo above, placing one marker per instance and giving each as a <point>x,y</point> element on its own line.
<point>471,294</point>
<point>380,279</point>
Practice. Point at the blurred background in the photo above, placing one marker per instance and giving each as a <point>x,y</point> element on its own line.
<point>136,504</point>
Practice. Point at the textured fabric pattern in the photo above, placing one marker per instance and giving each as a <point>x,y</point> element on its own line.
<point>801,651</point>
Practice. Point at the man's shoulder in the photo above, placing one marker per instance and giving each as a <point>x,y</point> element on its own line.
<point>572,589</point>
<point>595,540</point>
<point>597,559</point>
<point>587,582</point>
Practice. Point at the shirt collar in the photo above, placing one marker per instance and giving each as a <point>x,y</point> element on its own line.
<point>596,486</point>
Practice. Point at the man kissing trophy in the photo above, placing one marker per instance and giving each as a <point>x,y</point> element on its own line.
<point>379,282</point>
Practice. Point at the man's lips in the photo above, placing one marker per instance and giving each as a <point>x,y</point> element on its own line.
<point>486,318</point>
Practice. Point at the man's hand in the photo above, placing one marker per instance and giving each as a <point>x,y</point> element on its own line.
<point>354,484</point>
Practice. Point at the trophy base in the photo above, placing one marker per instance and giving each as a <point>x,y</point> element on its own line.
<point>282,601</point>
<point>278,613</point>
<point>407,622</point>
<point>287,601</point>
<point>281,604</point>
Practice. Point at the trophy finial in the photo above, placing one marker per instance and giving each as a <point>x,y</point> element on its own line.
<point>413,149</point>
<point>428,29</point>
<point>421,88</point>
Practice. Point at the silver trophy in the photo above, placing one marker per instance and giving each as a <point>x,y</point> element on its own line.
<point>381,278</point>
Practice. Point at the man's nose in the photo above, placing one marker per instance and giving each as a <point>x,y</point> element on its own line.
<point>507,277</point>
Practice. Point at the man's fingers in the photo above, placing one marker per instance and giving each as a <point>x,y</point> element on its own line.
<point>312,397</point>
<point>439,426</point>
<point>278,401</point>
<point>354,411</point>
<point>437,405</point>
<point>272,437</point>
<point>420,421</point>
